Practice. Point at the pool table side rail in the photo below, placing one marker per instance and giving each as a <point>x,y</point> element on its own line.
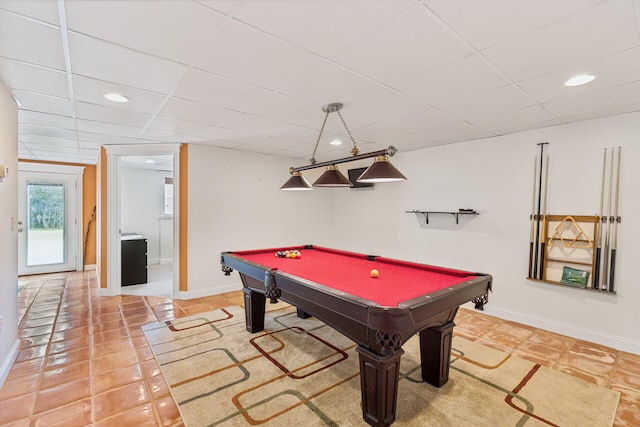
<point>375,258</point>
<point>410,316</point>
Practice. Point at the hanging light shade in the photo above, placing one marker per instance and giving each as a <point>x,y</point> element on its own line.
<point>381,171</point>
<point>297,182</point>
<point>332,177</point>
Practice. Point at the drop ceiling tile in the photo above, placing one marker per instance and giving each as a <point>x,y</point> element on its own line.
<point>89,145</point>
<point>38,139</point>
<point>40,44</point>
<point>101,60</point>
<point>492,103</point>
<point>285,108</point>
<point>30,101</point>
<point>630,108</point>
<point>613,70</point>
<point>489,22</point>
<point>29,129</point>
<point>31,78</point>
<point>107,128</point>
<point>602,100</point>
<point>46,11</point>
<point>412,141</point>
<point>377,132</point>
<point>45,119</point>
<point>155,136</point>
<point>334,125</point>
<point>454,131</point>
<point>325,27</point>
<point>575,39</point>
<point>218,144</point>
<point>421,120</point>
<point>190,111</point>
<point>92,91</point>
<point>406,48</point>
<point>182,127</point>
<point>177,30</point>
<point>105,139</point>
<point>248,55</point>
<point>49,156</point>
<point>385,107</point>
<point>268,144</point>
<point>233,136</point>
<point>266,127</point>
<point>456,80</point>
<point>112,115</point>
<point>328,83</point>
<point>52,148</point>
<point>207,88</point>
<point>521,119</point>
<point>226,7</point>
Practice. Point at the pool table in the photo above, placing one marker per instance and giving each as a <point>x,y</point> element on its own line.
<point>378,313</point>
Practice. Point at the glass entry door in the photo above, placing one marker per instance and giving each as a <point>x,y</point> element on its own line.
<point>47,231</point>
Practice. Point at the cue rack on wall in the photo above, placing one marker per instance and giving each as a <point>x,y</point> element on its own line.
<point>575,250</point>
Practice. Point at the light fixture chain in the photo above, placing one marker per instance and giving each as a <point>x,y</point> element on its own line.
<point>355,150</point>
<point>313,156</point>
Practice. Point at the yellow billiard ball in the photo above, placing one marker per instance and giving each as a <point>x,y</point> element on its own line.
<point>374,273</point>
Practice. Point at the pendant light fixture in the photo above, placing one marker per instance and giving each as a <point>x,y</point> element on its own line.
<point>297,182</point>
<point>380,171</point>
<point>332,177</point>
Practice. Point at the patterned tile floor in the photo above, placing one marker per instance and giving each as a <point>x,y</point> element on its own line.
<point>84,360</point>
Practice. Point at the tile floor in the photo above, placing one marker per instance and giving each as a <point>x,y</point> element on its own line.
<point>84,360</point>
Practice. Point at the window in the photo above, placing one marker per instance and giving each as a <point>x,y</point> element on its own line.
<point>168,196</point>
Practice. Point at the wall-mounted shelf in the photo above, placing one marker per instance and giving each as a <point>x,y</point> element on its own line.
<point>455,214</point>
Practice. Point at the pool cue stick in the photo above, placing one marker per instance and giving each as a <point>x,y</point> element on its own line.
<point>544,219</point>
<point>614,242</point>
<point>596,269</point>
<point>533,217</point>
<point>605,266</point>
<point>537,242</point>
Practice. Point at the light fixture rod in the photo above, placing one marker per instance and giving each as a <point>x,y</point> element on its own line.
<point>389,151</point>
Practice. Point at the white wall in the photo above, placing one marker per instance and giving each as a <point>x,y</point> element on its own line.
<point>142,201</point>
<point>8,234</point>
<point>495,177</point>
<point>235,203</point>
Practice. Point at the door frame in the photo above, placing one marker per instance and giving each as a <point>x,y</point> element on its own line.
<point>78,172</point>
<point>114,152</point>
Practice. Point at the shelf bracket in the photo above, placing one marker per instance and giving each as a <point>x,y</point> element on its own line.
<point>426,216</point>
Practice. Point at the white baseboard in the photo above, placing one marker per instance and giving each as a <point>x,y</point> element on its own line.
<point>8,362</point>
<point>89,267</point>
<point>618,343</point>
<point>209,291</point>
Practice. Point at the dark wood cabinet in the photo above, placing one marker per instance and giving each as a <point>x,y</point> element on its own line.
<point>134,259</point>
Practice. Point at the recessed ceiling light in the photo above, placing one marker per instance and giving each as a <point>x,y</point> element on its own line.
<point>149,161</point>
<point>336,142</point>
<point>581,79</point>
<point>116,97</point>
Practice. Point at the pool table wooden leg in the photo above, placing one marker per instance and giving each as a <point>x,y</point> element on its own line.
<point>301,314</point>
<point>435,353</point>
<point>254,305</point>
<point>379,386</point>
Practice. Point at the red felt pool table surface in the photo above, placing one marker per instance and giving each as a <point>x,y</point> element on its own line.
<point>349,272</point>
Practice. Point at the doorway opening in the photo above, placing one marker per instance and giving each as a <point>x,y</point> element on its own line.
<point>146,224</point>
<point>49,218</point>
